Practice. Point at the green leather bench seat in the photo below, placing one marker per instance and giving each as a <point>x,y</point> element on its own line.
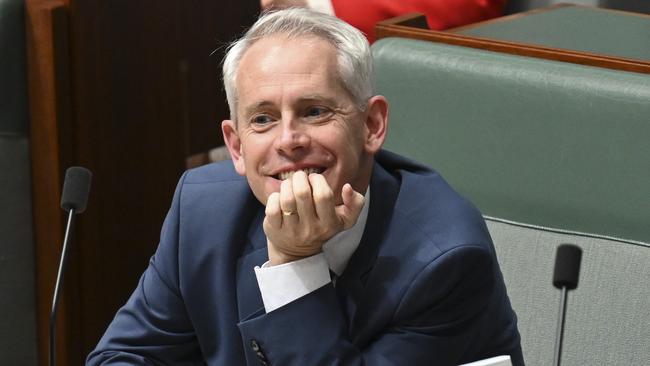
<point>549,143</point>
<point>550,152</point>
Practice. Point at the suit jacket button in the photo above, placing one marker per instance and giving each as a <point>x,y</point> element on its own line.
<point>261,356</point>
<point>255,346</point>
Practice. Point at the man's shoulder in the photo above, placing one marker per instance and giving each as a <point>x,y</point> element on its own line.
<point>212,199</point>
<point>432,207</point>
<point>213,173</point>
<point>422,190</point>
<point>216,182</point>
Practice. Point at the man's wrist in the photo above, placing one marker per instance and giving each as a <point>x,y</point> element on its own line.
<point>277,257</point>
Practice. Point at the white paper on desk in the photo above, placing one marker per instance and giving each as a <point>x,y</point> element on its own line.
<point>494,361</point>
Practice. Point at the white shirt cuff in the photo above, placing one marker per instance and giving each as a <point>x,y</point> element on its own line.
<point>322,6</point>
<point>287,282</point>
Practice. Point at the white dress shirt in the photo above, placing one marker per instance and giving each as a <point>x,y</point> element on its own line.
<point>287,282</point>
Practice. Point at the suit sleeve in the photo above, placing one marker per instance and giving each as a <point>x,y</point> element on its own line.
<point>440,318</point>
<point>441,14</point>
<point>152,327</point>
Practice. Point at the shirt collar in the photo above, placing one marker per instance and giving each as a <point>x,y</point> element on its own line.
<point>339,249</point>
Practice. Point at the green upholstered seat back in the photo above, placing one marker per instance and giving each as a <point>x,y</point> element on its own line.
<point>547,145</point>
<point>537,141</point>
<point>607,315</point>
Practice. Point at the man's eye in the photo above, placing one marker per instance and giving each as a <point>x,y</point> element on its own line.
<point>261,119</point>
<point>316,112</point>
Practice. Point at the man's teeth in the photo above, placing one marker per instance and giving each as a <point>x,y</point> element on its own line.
<point>287,175</point>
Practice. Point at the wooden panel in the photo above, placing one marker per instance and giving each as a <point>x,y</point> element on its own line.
<point>400,27</point>
<point>48,75</point>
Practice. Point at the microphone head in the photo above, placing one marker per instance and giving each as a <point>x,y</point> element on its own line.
<point>75,189</point>
<point>567,266</point>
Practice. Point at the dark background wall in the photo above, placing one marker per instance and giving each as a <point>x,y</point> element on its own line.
<point>144,76</point>
<point>128,89</point>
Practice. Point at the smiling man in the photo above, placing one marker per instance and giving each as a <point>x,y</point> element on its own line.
<point>313,246</point>
<point>304,143</point>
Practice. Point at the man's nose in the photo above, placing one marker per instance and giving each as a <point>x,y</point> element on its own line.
<point>293,139</point>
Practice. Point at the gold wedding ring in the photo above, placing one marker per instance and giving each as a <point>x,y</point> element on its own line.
<point>288,213</point>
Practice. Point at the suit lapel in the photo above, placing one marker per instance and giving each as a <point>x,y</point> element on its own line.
<point>249,298</point>
<point>350,286</point>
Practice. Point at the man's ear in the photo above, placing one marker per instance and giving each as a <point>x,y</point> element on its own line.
<point>234,145</point>
<point>376,123</point>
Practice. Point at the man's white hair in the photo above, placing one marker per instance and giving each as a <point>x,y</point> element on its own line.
<point>354,57</point>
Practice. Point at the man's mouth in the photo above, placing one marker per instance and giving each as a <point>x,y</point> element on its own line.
<point>288,174</point>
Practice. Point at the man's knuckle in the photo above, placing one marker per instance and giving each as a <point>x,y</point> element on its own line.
<point>270,210</point>
<point>323,195</point>
<point>302,193</point>
<point>287,201</point>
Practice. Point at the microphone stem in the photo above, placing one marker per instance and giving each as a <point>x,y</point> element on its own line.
<point>560,327</point>
<point>57,286</point>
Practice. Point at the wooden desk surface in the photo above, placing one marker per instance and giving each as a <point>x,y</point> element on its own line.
<point>578,28</point>
<point>570,33</point>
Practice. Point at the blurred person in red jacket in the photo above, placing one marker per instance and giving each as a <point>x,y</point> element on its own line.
<point>364,14</point>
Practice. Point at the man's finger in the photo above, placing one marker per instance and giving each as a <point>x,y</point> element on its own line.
<point>323,199</point>
<point>287,199</point>
<point>273,211</point>
<point>303,195</point>
<point>349,211</point>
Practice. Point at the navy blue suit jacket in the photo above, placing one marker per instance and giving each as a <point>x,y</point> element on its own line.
<point>423,288</point>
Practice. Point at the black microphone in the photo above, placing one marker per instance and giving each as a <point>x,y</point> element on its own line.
<point>565,278</point>
<point>73,200</point>
<point>75,189</point>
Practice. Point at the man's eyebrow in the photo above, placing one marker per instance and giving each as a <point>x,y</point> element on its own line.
<point>304,99</point>
<point>317,98</point>
<point>257,106</point>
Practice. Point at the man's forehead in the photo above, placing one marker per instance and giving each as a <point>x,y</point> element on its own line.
<point>285,38</point>
<point>279,62</point>
<point>287,48</point>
